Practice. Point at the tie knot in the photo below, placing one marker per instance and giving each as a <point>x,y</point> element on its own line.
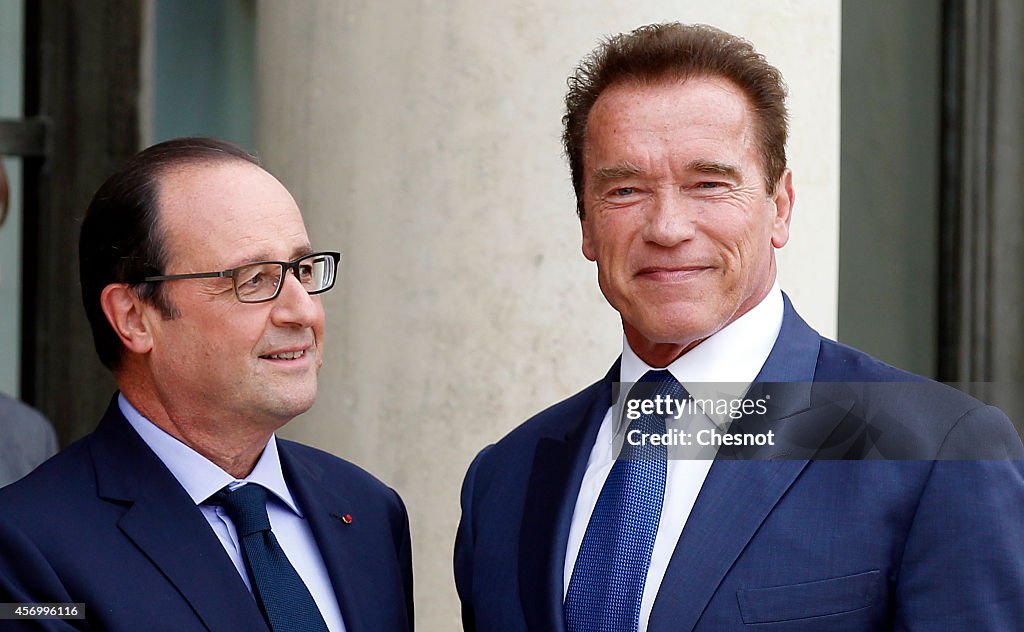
<point>655,376</point>
<point>662,381</point>
<point>247,507</point>
<point>659,386</point>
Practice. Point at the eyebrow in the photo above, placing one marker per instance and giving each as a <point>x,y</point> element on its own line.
<point>300,251</point>
<point>617,172</point>
<point>630,170</point>
<point>715,168</point>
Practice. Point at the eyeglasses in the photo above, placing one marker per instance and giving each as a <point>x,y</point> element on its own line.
<point>261,281</point>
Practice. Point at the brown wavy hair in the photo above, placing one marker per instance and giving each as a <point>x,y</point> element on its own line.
<point>674,51</point>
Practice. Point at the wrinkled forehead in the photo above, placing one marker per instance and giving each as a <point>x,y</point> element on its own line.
<point>697,108</point>
<point>702,119</point>
<point>677,95</point>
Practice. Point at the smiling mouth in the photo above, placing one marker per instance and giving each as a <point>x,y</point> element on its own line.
<point>287,355</point>
<point>671,274</point>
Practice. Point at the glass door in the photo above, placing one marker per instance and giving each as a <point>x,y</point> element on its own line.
<point>12,24</point>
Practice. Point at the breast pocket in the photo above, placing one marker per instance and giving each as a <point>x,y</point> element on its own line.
<point>810,599</point>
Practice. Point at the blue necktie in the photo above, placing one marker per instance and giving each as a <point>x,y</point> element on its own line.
<point>608,579</point>
<point>283,598</point>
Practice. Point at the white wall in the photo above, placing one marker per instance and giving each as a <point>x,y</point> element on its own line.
<point>422,140</point>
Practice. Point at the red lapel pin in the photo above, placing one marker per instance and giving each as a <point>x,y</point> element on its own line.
<point>347,518</point>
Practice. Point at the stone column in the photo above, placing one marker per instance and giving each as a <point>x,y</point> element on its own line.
<point>422,140</point>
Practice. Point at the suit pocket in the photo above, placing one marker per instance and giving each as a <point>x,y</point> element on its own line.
<point>810,599</point>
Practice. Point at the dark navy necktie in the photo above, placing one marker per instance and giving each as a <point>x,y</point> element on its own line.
<point>607,582</point>
<point>284,600</point>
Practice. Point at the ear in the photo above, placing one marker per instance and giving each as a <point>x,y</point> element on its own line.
<point>783,200</point>
<point>589,251</point>
<point>126,313</point>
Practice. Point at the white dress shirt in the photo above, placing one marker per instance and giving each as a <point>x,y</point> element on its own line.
<point>201,478</point>
<point>730,359</point>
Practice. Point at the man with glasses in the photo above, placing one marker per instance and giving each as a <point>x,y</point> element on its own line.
<point>183,511</point>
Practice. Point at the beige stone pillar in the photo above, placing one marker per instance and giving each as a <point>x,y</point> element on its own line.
<point>422,140</point>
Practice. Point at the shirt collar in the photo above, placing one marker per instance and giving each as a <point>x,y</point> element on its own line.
<point>200,477</point>
<point>726,362</point>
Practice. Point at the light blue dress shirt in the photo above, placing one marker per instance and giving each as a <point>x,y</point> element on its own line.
<point>201,478</point>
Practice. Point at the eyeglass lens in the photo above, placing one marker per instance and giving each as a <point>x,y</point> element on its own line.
<point>260,281</point>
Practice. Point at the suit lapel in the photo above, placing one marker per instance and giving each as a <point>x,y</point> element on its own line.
<point>559,464</point>
<point>738,495</point>
<point>166,526</point>
<point>799,430</point>
<point>187,552</point>
<point>341,545</point>
<point>736,498</point>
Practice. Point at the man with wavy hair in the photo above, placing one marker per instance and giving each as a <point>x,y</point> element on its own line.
<point>853,501</point>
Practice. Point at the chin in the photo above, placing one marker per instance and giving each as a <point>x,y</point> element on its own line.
<point>677,326</point>
<point>292,404</point>
<point>302,404</point>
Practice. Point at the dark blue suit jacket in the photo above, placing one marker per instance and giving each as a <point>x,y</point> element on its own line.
<point>799,543</point>
<point>105,523</point>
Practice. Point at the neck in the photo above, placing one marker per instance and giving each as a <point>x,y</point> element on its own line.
<point>657,355</point>
<point>232,445</point>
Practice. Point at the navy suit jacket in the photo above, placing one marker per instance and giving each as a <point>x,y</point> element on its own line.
<point>781,541</point>
<point>106,523</point>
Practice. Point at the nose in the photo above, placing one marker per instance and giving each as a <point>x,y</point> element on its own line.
<point>294,306</point>
<point>670,219</point>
